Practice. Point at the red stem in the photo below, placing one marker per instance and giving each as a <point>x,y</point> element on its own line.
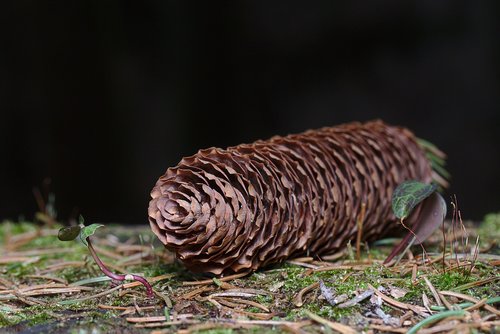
<point>118,277</point>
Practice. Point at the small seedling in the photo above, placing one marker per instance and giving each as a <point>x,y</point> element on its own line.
<point>85,232</point>
<point>423,219</point>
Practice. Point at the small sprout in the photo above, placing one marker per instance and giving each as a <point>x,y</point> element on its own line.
<point>408,194</point>
<point>423,219</point>
<point>85,232</point>
<point>69,233</point>
<point>217,282</point>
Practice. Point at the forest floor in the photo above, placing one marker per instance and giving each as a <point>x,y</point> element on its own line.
<point>49,286</point>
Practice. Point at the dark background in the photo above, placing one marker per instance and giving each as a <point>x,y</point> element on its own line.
<point>102,96</point>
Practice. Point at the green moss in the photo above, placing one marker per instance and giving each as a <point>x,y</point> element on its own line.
<point>295,279</point>
<point>39,318</point>
<point>449,280</point>
<point>264,299</point>
<point>4,320</point>
<point>216,331</point>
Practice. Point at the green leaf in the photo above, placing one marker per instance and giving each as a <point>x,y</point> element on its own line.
<point>68,233</point>
<point>408,194</point>
<point>87,231</point>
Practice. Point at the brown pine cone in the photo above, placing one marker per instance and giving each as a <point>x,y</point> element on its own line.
<point>250,205</point>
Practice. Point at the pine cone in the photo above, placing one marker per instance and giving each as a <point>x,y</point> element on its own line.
<point>251,205</point>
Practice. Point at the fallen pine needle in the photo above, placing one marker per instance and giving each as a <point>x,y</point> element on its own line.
<point>471,299</point>
<point>259,316</point>
<point>388,329</point>
<point>493,300</point>
<point>476,283</point>
<point>436,317</point>
<point>334,256</point>
<point>165,298</point>
<point>333,325</point>
<point>49,291</point>
<point>446,302</point>
<point>157,318</point>
<point>197,291</point>
<point>297,301</point>
<point>303,264</point>
<point>417,309</point>
<point>486,326</point>
<point>47,277</point>
<point>104,293</point>
<point>150,280</point>
<point>223,323</point>
<point>62,265</point>
<point>165,324</point>
<point>222,279</point>
<point>342,267</point>
<point>433,291</point>
<point>246,302</point>
<point>12,259</point>
<point>477,305</point>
